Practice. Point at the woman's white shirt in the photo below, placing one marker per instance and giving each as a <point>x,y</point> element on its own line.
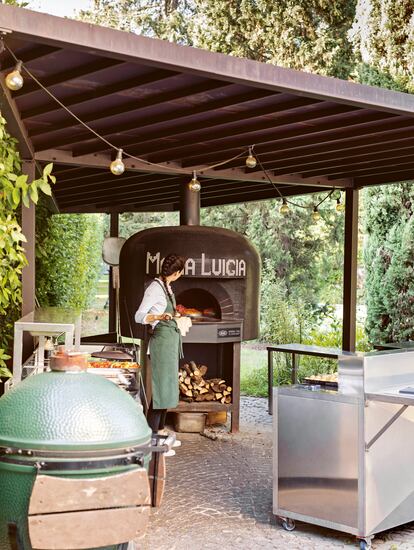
<point>154,302</point>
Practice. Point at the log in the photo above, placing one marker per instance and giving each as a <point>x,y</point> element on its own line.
<point>187,369</point>
<point>187,380</point>
<point>218,396</point>
<point>203,370</point>
<point>194,368</point>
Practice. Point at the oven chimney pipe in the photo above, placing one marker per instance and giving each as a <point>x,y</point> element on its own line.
<point>189,205</point>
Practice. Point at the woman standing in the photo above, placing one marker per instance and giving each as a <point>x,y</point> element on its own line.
<point>158,308</point>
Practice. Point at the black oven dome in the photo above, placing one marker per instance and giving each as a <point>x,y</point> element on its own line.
<point>219,261</point>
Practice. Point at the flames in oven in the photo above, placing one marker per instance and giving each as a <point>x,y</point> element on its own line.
<point>198,304</point>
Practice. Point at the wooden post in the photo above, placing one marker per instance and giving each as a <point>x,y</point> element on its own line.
<point>28,229</point>
<point>113,232</point>
<point>350,270</point>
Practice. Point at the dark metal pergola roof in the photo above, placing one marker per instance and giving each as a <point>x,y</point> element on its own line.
<point>185,108</point>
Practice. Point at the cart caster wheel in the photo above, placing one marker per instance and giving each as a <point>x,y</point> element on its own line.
<point>365,545</point>
<point>288,524</point>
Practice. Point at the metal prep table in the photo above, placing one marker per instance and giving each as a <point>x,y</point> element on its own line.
<point>43,322</point>
<point>344,459</point>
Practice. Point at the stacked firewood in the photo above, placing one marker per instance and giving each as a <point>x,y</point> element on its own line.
<point>195,387</point>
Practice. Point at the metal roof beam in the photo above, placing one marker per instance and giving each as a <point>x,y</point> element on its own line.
<point>15,125</point>
<point>79,36</point>
<point>105,114</point>
<point>190,125</point>
<point>375,159</point>
<point>30,54</point>
<point>66,76</point>
<point>259,132</point>
<point>103,91</point>
<point>308,136</point>
<point>372,171</point>
<point>103,161</point>
<point>104,181</point>
<point>245,122</point>
<point>379,179</point>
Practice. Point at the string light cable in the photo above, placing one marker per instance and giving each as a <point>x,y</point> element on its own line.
<point>103,139</point>
<point>117,166</point>
<point>285,202</point>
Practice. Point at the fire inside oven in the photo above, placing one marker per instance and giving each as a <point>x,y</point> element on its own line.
<point>199,304</point>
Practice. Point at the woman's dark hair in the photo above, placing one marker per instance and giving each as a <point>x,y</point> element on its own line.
<point>171,264</point>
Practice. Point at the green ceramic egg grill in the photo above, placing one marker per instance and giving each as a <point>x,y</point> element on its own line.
<point>82,440</point>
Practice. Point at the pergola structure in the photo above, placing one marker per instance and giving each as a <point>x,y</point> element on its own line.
<point>180,109</point>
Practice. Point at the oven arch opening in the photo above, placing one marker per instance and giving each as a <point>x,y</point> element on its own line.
<point>200,300</point>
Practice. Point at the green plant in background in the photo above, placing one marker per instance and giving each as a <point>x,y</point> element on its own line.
<point>14,191</point>
<point>68,258</point>
<point>383,43</point>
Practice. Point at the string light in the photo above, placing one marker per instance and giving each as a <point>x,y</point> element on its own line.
<point>284,209</point>
<point>340,207</point>
<point>14,80</point>
<point>251,159</point>
<point>315,214</point>
<point>194,185</point>
<point>117,167</point>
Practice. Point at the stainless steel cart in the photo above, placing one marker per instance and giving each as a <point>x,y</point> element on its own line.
<point>344,459</point>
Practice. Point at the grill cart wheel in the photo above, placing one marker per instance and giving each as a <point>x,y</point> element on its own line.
<point>288,524</point>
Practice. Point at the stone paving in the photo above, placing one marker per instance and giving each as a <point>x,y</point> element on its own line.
<point>219,497</point>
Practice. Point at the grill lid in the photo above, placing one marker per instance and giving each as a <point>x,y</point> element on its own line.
<point>70,411</point>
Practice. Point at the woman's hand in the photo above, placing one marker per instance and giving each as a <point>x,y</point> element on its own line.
<point>166,317</point>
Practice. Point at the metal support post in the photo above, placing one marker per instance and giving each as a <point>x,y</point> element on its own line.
<point>113,232</point>
<point>270,380</point>
<point>350,270</point>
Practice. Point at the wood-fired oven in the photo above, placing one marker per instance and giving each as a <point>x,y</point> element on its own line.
<point>219,289</point>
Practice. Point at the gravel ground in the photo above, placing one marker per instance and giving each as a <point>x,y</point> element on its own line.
<point>219,497</point>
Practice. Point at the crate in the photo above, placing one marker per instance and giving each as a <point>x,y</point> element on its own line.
<point>218,417</point>
<point>189,422</point>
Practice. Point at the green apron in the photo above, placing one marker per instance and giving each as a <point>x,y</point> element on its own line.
<point>165,352</point>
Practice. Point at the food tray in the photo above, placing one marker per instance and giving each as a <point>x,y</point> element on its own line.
<point>113,366</point>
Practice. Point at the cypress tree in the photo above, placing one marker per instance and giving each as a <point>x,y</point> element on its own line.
<point>383,39</point>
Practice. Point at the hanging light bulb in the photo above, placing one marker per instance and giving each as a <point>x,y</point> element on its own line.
<point>336,194</point>
<point>284,209</point>
<point>14,80</point>
<point>339,206</point>
<point>117,167</point>
<point>251,160</point>
<point>315,214</point>
<point>194,185</point>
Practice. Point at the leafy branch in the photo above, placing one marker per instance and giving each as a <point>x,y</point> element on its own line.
<point>15,190</point>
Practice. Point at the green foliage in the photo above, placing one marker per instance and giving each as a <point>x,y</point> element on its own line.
<point>389,262</point>
<point>383,40</point>
<point>307,256</point>
<point>14,191</point>
<point>68,258</point>
<point>131,222</point>
<point>168,19</point>
<point>303,34</point>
